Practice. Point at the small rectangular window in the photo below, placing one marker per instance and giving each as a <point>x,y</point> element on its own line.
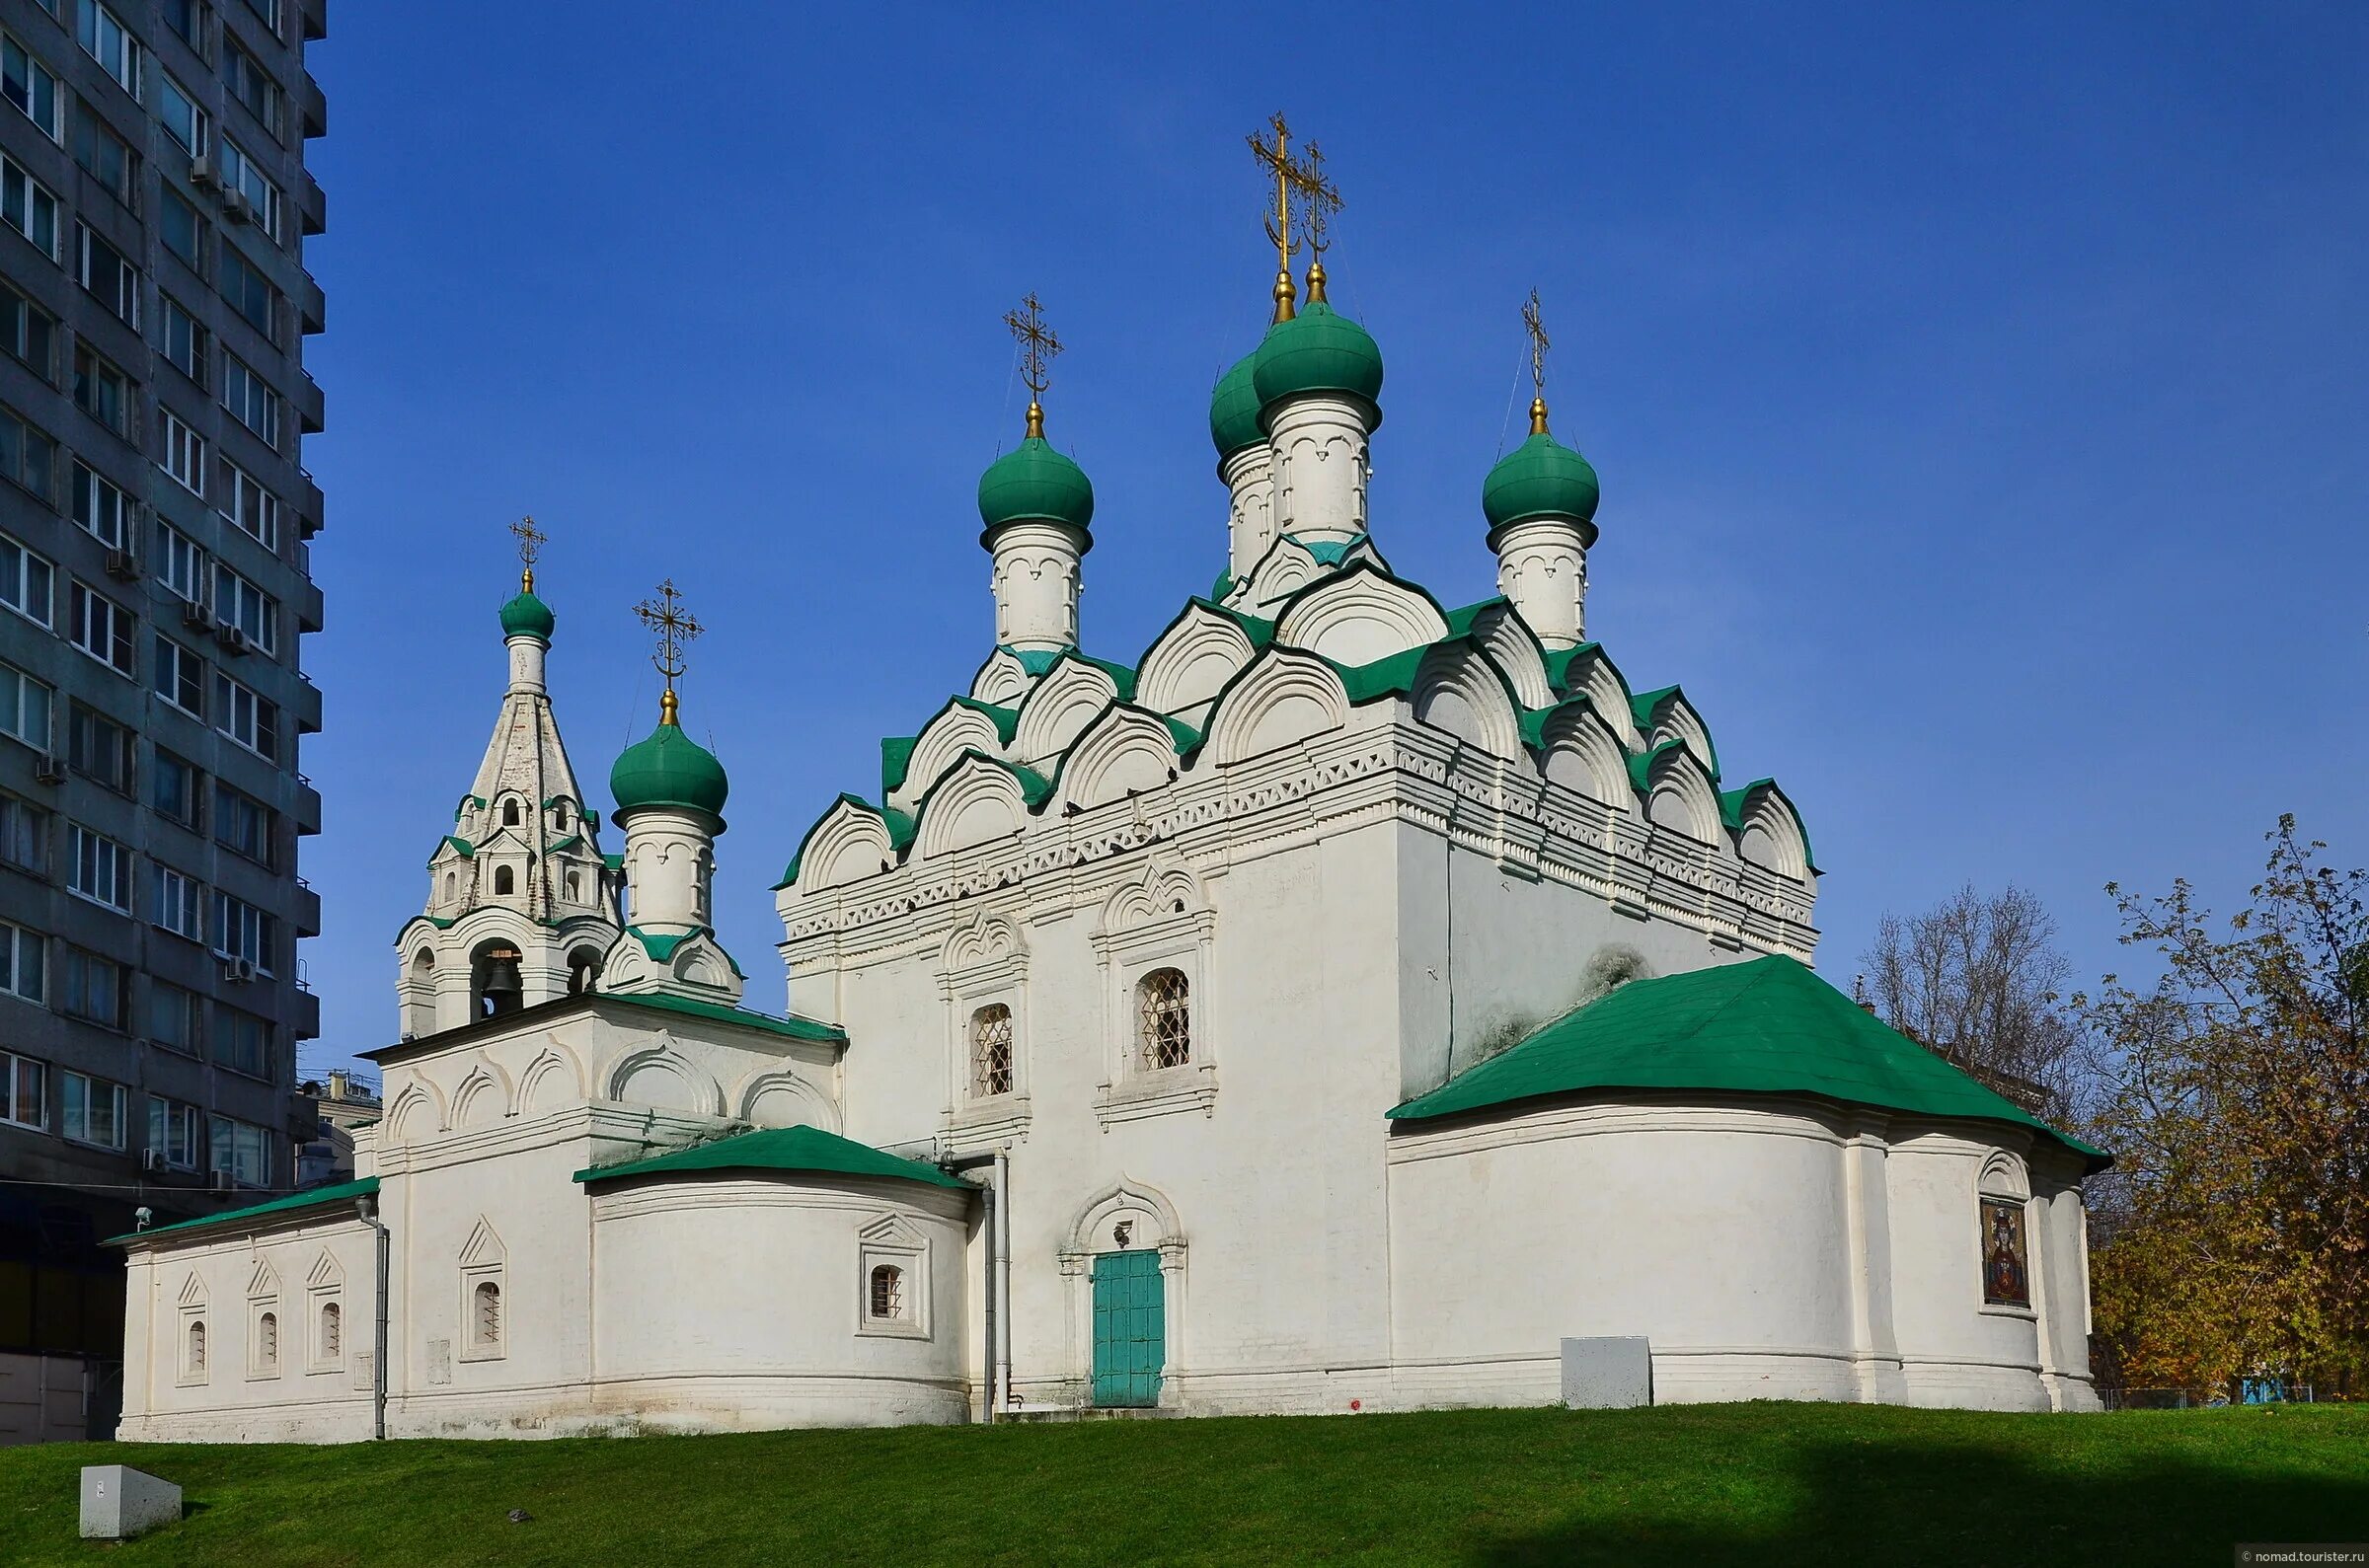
<point>176,1018</point>
<point>187,19</point>
<point>188,344</point>
<point>90,988</point>
<point>24,705</point>
<point>252,509</point>
<point>28,332</point>
<point>104,156</point>
<point>29,208</point>
<point>92,1110</point>
<point>23,1091</point>
<point>99,748</point>
<point>251,85</point>
<point>97,868</point>
<point>180,677</point>
<point>28,84</point>
<point>185,455</point>
<point>107,274</point>
<point>23,835</point>
<point>25,582</point>
<point>173,789</point>
<point>250,400</point>
<point>243,174</point>
<point>102,391</point>
<point>180,564</point>
<point>241,824</point>
<point>106,40</point>
<point>101,628</point>
<point>183,231</point>
<point>173,1132</point>
<point>23,963</point>
<point>178,902</point>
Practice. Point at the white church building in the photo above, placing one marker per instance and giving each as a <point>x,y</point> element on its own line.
<point>1334,1008</point>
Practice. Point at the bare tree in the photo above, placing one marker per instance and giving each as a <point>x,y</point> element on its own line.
<point>1979,978</point>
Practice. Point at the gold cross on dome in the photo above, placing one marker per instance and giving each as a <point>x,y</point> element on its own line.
<point>665,615</point>
<point>1536,327</point>
<point>1037,348</point>
<point>1320,199</point>
<point>1273,152</point>
<point>531,541</point>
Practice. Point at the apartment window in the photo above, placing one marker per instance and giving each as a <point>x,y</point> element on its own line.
<point>99,508</point>
<point>269,9</point>
<point>248,290</point>
<point>22,965</point>
<point>27,83</point>
<point>186,17</point>
<point>241,824</point>
<point>102,391</point>
<point>27,457</point>
<point>173,1132</point>
<point>90,987</point>
<point>251,397</point>
<point>254,509</point>
<point>23,1091</point>
<point>111,278</point>
<point>240,603</point>
<point>182,230</point>
<point>178,902</point>
<point>99,627</point>
<point>173,789</point>
<point>251,85</point>
<point>99,748</point>
<point>242,1042</point>
<point>25,705</point>
<point>91,1110</point>
<point>104,156</point>
<point>97,868</point>
<point>245,718</point>
<point>25,582</point>
<point>28,332</point>
<point>187,341</point>
<point>176,1018</point>
<point>109,42</point>
<point>180,677</point>
<point>243,1151</point>
<point>241,174</point>
<point>23,835</point>
<point>180,564</point>
<point>185,455</point>
<point>240,930</point>
<point>29,207</point>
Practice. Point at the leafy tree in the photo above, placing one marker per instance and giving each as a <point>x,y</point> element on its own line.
<point>2232,1235</point>
<point>1979,977</point>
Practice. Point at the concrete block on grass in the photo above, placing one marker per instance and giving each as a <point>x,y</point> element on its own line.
<point>1607,1374</point>
<point>119,1502</point>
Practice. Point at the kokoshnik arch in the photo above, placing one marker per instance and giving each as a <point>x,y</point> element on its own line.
<point>1332,1007</point>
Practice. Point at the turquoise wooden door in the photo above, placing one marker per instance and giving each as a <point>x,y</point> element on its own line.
<point>1130,1328</point>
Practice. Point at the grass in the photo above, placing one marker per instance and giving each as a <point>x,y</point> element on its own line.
<point>1701,1486</point>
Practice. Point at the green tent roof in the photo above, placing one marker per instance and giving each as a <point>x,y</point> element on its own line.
<point>804,1149</point>
<point>1766,1026</point>
<point>313,1198</point>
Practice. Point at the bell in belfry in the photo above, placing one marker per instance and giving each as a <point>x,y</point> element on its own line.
<point>505,986</point>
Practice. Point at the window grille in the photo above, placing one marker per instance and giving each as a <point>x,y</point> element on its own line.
<point>1164,1018</point>
<point>332,1329</point>
<point>267,1337</point>
<point>197,1350</point>
<point>488,1301</point>
<point>887,1290</point>
<point>991,1050</point>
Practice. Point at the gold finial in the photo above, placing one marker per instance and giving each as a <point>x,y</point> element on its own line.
<point>1037,347</point>
<point>531,541</point>
<point>1320,199</point>
<point>1276,154</point>
<point>675,627</point>
<point>1533,323</point>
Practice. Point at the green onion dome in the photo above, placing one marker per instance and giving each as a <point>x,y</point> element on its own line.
<point>1034,483</point>
<point>1316,350</point>
<point>668,769</point>
<point>527,617</point>
<point>1233,410</point>
<point>1541,478</point>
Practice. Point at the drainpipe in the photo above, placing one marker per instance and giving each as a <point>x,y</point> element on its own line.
<point>367,1208</point>
<point>996,1231</point>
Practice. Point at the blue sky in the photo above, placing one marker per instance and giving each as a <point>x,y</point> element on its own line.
<point>1978,391</point>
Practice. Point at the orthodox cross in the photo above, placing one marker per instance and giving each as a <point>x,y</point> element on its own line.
<point>531,541</point>
<point>675,627</point>
<point>1037,348</point>
<point>1536,327</point>
<point>1320,199</point>
<point>1273,152</point>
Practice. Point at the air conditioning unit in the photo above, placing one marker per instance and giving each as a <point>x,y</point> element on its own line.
<point>233,638</point>
<point>50,767</point>
<point>196,616</point>
<point>238,971</point>
<point>236,206</point>
<point>123,564</point>
<point>152,1161</point>
<point>202,172</point>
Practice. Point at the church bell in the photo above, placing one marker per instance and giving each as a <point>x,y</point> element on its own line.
<point>505,987</point>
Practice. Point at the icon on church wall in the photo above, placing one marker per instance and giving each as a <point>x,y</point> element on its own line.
<point>1122,1232</point>
<point>2005,1281</point>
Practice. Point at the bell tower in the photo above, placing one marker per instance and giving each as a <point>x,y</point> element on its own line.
<point>521,904</point>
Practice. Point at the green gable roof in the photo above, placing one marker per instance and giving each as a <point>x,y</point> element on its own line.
<point>795,1148</point>
<point>793,1027</point>
<point>313,1198</point>
<point>1766,1026</point>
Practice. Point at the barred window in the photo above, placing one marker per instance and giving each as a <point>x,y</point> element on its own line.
<point>887,1290</point>
<point>991,1050</point>
<point>195,1357</point>
<point>266,1342</point>
<point>1164,1018</point>
<point>485,1315</point>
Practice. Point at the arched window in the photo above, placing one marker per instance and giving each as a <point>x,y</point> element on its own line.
<point>1164,1018</point>
<point>452,884</point>
<point>991,1050</point>
<point>484,1312</point>
<point>575,887</point>
<point>266,1342</point>
<point>505,879</point>
<point>887,1290</point>
<point>509,813</point>
<point>332,1330</point>
<point>584,970</point>
<point>197,1349</point>
<point>559,815</point>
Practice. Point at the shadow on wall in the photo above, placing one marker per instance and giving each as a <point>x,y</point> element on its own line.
<point>2176,1497</point>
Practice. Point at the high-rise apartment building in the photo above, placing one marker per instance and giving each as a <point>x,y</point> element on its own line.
<point>155,591</point>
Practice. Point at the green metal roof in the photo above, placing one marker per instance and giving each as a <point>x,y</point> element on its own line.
<point>1768,1025</point>
<point>797,1149</point>
<point>313,1198</point>
<point>794,1026</point>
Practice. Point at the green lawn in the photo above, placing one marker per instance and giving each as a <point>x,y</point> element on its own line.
<point>1699,1486</point>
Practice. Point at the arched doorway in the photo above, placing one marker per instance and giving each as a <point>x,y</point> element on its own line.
<point>1130,1328</point>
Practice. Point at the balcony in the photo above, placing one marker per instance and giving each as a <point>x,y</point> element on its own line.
<point>315,16</point>
<point>312,205</point>
<point>311,107</point>
<point>307,604</point>
<point>312,306</point>
<point>309,506</point>
<point>310,406</point>
<point>307,706</point>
